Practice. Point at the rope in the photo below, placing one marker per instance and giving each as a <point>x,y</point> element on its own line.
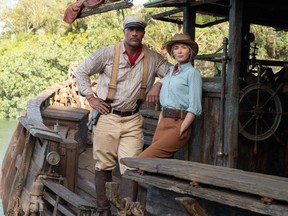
<point>131,208</point>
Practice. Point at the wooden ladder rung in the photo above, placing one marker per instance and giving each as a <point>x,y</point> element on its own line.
<point>72,198</point>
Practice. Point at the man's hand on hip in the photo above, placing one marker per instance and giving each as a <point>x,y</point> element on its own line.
<point>99,104</point>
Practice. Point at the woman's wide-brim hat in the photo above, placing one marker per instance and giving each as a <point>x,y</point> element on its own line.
<point>183,39</point>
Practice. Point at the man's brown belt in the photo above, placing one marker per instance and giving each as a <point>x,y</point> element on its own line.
<point>124,113</point>
<point>174,113</point>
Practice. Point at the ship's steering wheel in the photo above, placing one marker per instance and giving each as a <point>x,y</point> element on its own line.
<point>260,108</point>
<point>260,112</point>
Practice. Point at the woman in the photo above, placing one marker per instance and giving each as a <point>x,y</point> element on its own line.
<point>180,99</point>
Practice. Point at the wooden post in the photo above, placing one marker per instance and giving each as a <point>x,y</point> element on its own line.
<point>232,83</point>
<point>189,17</point>
<point>189,22</point>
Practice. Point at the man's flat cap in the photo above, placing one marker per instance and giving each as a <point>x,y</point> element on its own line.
<point>134,22</point>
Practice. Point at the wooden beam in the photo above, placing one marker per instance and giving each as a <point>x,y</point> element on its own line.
<point>223,177</point>
<point>116,6</point>
<point>69,196</point>
<point>167,13</point>
<point>179,22</point>
<point>212,23</point>
<point>189,17</point>
<point>273,63</point>
<point>166,17</point>
<point>224,197</point>
<point>177,3</point>
<point>232,84</point>
<point>61,208</point>
<point>39,130</point>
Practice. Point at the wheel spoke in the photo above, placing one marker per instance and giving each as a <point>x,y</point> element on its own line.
<point>260,112</point>
<point>249,120</point>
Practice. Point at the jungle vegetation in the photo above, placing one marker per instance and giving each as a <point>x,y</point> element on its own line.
<point>37,46</point>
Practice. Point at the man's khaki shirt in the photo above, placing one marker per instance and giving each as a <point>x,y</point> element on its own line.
<point>129,78</point>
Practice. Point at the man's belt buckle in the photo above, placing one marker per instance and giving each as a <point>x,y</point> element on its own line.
<point>124,113</point>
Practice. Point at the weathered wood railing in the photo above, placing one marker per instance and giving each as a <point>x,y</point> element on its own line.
<point>41,101</point>
<point>260,193</point>
<point>33,120</point>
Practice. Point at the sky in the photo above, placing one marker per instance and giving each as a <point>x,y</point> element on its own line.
<point>139,1</point>
<point>10,3</point>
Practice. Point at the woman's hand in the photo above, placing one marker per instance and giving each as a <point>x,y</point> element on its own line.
<point>187,122</point>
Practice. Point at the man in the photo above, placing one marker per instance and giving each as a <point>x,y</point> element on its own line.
<point>118,132</point>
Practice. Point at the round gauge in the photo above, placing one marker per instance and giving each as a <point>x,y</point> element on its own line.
<point>53,158</point>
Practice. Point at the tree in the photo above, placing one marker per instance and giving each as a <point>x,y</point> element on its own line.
<point>32,16</point>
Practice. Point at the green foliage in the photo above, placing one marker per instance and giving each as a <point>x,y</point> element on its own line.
<point>29,66</point>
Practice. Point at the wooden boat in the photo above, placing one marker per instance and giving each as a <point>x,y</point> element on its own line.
<point>49,167</point>
<point>49,150</point>
<point>227,168</point>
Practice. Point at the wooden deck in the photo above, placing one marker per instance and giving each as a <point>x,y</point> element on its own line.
<point>86,173</point>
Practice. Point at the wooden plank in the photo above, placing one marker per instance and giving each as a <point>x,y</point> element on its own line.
<point>86,196</point>
<point>36,165</point>
<point>25,197</point>
<point>68,195</point>
<point>236,15</point>
<point>153,163</point>
<point>178,3</point>
<point>147,140</point>
<point>86,161</point>
<point>61,208</point>
<point>234,179</point>
<point>155,204</point>
<point>71,169</point>
<point>149,113</point>
<point>211,84</point>
<point>65,113</point>
<point>226,197</point>
<point>115,6</point>
<point>22,172</point>
<point>150,123</point>
<point>36,104</point>
<point>86,182</point>
<point>38,129</point>
<point>9,170</point>
<point>86,172</point>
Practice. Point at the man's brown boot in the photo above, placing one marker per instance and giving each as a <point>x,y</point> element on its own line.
<point>103,204</point>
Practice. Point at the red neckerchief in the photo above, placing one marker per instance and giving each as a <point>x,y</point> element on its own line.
<point>176,69</point>
<point>135,57</point>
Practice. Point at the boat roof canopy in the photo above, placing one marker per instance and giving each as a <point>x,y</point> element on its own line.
<point>266,13</point>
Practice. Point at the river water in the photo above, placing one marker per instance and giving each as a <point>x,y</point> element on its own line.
<point>7,128</point>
